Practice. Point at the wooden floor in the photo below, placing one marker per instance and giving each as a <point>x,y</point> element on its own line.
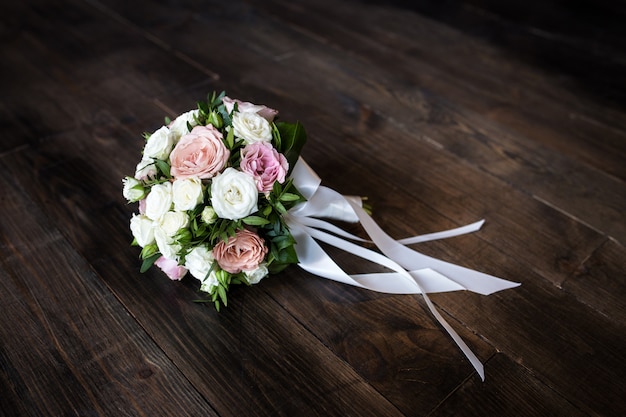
<point>442,113</point>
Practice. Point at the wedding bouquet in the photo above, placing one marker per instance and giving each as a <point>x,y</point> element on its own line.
<point>224,195</point>
<point>213,187</point>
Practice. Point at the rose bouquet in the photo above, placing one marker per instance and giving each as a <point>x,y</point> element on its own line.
<point>213,189</point>
<point>224,195</point>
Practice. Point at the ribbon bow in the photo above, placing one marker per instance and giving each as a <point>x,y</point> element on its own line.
<point>414,272</point>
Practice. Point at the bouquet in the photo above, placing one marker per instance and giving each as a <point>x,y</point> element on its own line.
<point>224,195</point>
<point>213,187</point>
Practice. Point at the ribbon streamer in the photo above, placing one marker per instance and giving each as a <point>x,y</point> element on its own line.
<point>413,272</point>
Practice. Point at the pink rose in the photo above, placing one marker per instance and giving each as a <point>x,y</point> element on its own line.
<point>243,252</point>
<point>171,268</point>
<point>200,153</point>
<point>245,107</point>
<point>265,164</point>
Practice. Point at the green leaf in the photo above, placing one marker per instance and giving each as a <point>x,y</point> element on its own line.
<point>222,293</point>
<point>277,137</point>
<point>275,268</point>
<point>230,139</point>
<point>280,208</point>
<point>204,107</point>
<point>148,262</point>
<point>293,138</point>
<point>288,255</point>
<point>289,197</point>
<point>163,166</point>
<point>255,221</point>
<point>283,242</point>
<point>277,188</point>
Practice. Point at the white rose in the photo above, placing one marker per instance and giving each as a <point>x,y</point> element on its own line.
<point>251,127</point>
<point>199,261</point>
<point>256,275</point>
<point>209,282</point>
<point>159,144</point>
<point>233,194</point>
<point>179,126</point>
<point>172,221</point>
<point>142,229</point>
<point>145,169</point>
<point>159,200</point>
<point>133,189</point>
<point>166,244</point>
<point>187,193</point>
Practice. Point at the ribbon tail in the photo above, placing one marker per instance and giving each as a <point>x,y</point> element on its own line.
<point>471,357</point>
<point>410,259</point>
<point>443,235</point>
<point>313,259</point>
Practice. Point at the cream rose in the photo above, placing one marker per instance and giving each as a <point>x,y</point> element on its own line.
<point>172,221</point>
<point>234,194</point>
<point>142,229</point>
<point>200,153</point>
<point>166,244</point>
<point>199,262</point>
<point>179,127</point>
<point>159,144</point>
<point>209,282</point>
<point>145,169</point>
<point>256,275</point>
<point>159,200</point>
<point>243,252</point>
<point>251,127</point>
<point>133,189</point>
<point>186,194</point>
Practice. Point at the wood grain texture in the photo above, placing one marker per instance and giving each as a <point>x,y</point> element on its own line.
<point>68,345</point>
<point>442,113</point>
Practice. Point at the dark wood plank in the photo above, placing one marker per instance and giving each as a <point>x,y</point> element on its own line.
<point>581,43</point>
<point>68,345</point>
<point>507,398</point>
<point>600,279</point>
<point>67,54</point>
<point>404,92</point>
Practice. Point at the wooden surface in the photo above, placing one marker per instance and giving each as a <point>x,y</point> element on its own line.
<point>442,113</point>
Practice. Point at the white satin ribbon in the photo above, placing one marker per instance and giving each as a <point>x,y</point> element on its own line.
<point>414,273</point>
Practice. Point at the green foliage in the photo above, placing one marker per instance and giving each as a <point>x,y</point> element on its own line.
<point>289,139</point>
<point>148,262</point>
